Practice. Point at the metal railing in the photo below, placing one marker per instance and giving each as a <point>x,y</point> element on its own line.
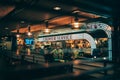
<point>66,69</point>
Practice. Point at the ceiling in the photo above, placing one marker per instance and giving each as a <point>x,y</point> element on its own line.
<point>16,14</point>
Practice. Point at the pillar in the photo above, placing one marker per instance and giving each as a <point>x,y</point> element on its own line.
<point>116,33</point>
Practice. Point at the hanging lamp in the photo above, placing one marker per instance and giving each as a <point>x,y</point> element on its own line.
<point>46,30</point>
<point>29,31</point>
<point>18,33</point>
<point>76,24</point>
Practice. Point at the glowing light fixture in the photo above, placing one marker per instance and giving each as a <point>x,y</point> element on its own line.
<point>29,33</point>
<point>57,8</point>
<point>6,28</point>
<point>47,30</point>
<point>18,33</point>
<point>76,24</point>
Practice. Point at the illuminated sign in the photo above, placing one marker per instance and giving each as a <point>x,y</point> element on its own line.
<point>55,38</point>
<point>29,41</point>
<point>70,37</point>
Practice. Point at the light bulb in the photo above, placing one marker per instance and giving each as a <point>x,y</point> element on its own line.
<point>76,25</point>
<point>18,35</point>
<point>29,33</point>
<point>46,31</point>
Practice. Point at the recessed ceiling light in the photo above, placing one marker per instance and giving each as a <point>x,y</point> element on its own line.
<point>22,21</point>
<point>76,11</point>
<point>6,28</point>
<point>57,8</point>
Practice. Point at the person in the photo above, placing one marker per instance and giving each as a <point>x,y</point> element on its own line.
<point>96,52</point>
<point>41,51</point>
<point>47,56</point>
<point>81,52</point>
<point>75,52</point>
<point>57,53</point>
<point>67,54</point>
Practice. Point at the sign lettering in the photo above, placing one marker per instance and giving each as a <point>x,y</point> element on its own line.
<point>55,38</point>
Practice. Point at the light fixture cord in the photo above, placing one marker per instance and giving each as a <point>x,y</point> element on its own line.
<point>17,31</point>
<point>46,24</point>
<point>18,34</point>
<point>29,28</point>
<point>76,17</point>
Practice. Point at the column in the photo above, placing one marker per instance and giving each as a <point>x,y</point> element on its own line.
<point>116,34</point>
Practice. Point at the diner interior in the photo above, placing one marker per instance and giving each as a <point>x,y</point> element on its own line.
<point>24,24</point>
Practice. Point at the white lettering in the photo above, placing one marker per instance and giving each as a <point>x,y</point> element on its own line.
<point>55,38</point>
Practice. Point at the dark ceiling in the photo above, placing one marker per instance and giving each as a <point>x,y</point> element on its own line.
<point>33,12</point>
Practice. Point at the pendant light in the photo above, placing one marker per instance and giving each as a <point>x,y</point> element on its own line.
<point>29,32</point>
<point>46,30</point>
<point>76,23</point>
<point>18,33</point>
